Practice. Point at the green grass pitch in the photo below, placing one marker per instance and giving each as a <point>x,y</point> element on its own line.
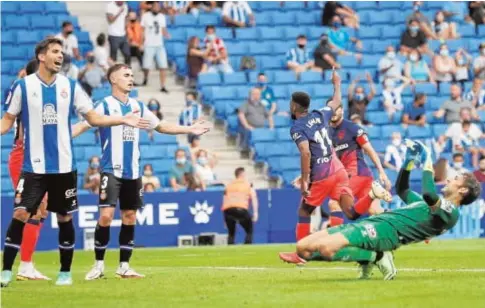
<point>441,274</point>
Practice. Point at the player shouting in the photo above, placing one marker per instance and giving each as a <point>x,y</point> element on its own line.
<point>322,173</point>
<point>370,241</point>
<point>120,169</point>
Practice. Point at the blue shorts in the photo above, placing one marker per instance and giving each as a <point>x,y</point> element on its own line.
<point>154,54</point>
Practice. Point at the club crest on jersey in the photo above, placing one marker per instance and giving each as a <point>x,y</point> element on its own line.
<point>341,134</point>
<point>49,115</point>
<point>128,133</point>
<point>64,93</point>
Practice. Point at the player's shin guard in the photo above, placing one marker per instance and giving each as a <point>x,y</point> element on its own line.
<point>13,239</point>
<point>67,238</point>
<point>101,240</point>
<point>127,236</point>
<point>29,240</point>
<point>347,254</point>
<point>302,227</point>
<point>336,218</point>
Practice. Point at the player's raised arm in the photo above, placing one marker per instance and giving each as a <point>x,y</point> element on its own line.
<point>336,100</point>
<point>80,128</point>
<point>369,149</point>
<point>402,182</point>
<point>198,128</point>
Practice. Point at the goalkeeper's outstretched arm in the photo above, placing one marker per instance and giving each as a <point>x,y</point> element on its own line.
<point>402,184</point>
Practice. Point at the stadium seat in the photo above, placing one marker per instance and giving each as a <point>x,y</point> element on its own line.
<point>281,121</point>
<point>247,34</point>
<point>292,32</point>
<point>373,131</point>
<point>426,88</point>
<point>311,77</point>
<point>264,18</point>
<point>242,92</point>
<point>439,129</point>
<point>302,18</point>
<point>33,7</point>
<point>208,79</point>
<point>467,30</point>
<point>378,117</point>
<point>387,130</point>
<point>235,78</point>
<point>237,48</point>
<point>268,63</point>
<point>293,5</point>
<point>55,7</point>
<point>27,37</point>
<point>280,47</point>
<point>303,88</point>
<point>366,32</point>
<point>253,77</point>
<point>209,19</point>
<point>43,22</point>
<point>17,22</point>
<point>266,33</point>
<point>9,7</point>
<point>12,53</point>
<point>284,77</point>
<point>256,48</point>
<point>269,6</point>
<point>262,135</point>
<point>187,20</point>
<point>219,93</point>
<point>8,37</point>
<point>283,18</point>
<point>418,132</point>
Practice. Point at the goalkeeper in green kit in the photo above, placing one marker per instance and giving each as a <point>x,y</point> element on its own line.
<point>370,241</point>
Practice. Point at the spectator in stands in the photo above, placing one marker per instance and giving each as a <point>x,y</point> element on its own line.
<point>340,40</point>
<point>172,8</point>
<point>116,13</point>
<point>145,6</point>
<point>217,59</point>
<point>479,63</point>
<point>155,29</point>
<point>462,61</point>
<point>444,65</point>
<point>206,6</point>
<point>203,168</point>
<point>413,39</point>
<point>69,69</point>
<point>149,178</point>
<point>101,56</point>
<point>395,153</point>
<point>253,114</point>
<point>465,137</point>
<point>457,166</point>
<point>422,21</point>
<point>451,108</point>
<point>148,188</point>
<point>191,112</point>
<point>417,69</point>
<point>238,14</point>
<point>196,57</point>
<point>92,176</point>
<point>355,118</point>
<point>192,183</point>
<point>480,172</point>
<point>476,11</point>
<point>392,95</point>
<point>456,11</point>
<point>358,99</point>
<point>477,94</point>
<point>415,113</point>
<point>182,166</point>
<point>323,56</point>
<point>155,107</point>
<point>91,76</point>
<point>298,58</point>
<point>267,96</point>
<point>443,30</point>
<point>134,33</point>
<point>390,66</point>
<point>334,8</point>
<point>70,45</point>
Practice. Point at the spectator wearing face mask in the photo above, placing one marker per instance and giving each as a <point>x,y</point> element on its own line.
<point>192,183</point>
<point>391,96</point>
<point>172,8</point>
<point>358,99</point>
<point>340,40</point>
<point>480,172</point>
<point>69,69</point>
<point>70,44</point>
<point>421,19</point>
<point>476,11</point>
<point>462,61</point>
<point>444,65</point>
<point>91,75</point>
<point>413,39</point>
<point>238,14</point>
<point>203,168</point>
<point>267,96</point>
<point>417,69</point>
<point>149,188</point>
<point>477,94</point>
<point>298,58</point>
<point>390,67</point>
<point>92,176</point>
<point>323,56</point>
<point>100,52</point>
<point>155,108</point>
<point>217,58</point>
<point>149,178</point>
<point>451,108</point>
<point>395,153</point>
<point>415,113</point>
<point>456,168</point>
<point>443,30</point>
<point>181,166</point>
<point>191,112</point>
<point>479,63</point>
<point>334,8</point>
<point>134,33</point>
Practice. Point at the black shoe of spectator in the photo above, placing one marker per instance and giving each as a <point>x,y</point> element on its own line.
<point>164,90</point>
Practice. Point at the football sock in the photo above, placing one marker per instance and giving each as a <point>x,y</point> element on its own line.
<point>13,238</point>
<point>347,254</point>
<point>67,239</point>
<point>336,218</point>
<point>127,236</point>
<point>101,240</point>
<point>302,227</point>
<point>362,206</point>
<point>29,240</point>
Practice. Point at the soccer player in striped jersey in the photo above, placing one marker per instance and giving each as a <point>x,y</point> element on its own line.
<point>120,169</point>
<point>45,103</point>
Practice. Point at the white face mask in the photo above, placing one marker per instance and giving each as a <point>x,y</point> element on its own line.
<point>396,142</point>
<point>181,161</point>
<point>458,165</point>
<point>444,52</point>
<point>413,57</point>
<point>391,54</point>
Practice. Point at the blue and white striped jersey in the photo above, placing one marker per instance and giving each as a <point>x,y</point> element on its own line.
<point>120,144</point>
<point>46,112</point>
<point>237,10</point>
<point>298,55</point>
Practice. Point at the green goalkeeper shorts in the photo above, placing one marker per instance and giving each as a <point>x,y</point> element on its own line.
<point>370,235</point>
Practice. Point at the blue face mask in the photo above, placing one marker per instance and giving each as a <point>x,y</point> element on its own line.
<point>336,24</point>
<point>461,61</point>
<point>94,165</point>
<point>414,29</point>
<point>202,161</point>
<point>262,84</point>
<point>152,107</point>
<point>359,96</point>
<point>416,8</point>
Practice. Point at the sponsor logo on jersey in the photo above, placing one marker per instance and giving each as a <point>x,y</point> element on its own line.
<point>70,193</point>
<point>201,212</point>
<point>371,230</point>
<point>49,115</point>
<point>128,133</point>
<point>296,136</point>
<point>341,134</point>
<point>341,147</point>
<point>323,160</point>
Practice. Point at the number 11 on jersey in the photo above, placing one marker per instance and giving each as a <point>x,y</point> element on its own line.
<point>321,137</point>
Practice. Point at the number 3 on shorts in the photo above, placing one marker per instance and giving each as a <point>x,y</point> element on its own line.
<point>104,182</point>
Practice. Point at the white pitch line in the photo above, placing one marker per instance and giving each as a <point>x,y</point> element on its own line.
<point>235,268</point>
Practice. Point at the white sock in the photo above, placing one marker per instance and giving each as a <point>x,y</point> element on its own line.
<point>124,265</point>
<point>25,265</point>
<point>100,263</point>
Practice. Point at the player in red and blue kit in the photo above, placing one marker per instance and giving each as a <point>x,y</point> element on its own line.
<point>350,142</point>
<point>322,173</point>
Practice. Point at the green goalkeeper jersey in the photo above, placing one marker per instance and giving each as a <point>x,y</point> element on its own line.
<point>418,221</point>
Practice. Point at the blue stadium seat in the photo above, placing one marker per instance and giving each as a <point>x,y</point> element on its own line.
<point>83,37</point>
<point>365,5</point>
<point>264,18</point>
<point>454,45</point>
<point>367,32</point>
<point>243,92</point>
<point>292,32</point>
<point>33,7</point>
<point>415,132</point>
<point>12,53</point>
<point>17,22</point>
<point>208,79</point>
<point>219,93</point>
<point>283,134</point>
<point>268,63</point>
<point>262,135</point>
<point>434,103</point>
<point>8,37</point>
<point>445,90</point>
<point>294,5</point>
<point>373,131</point>
<point>380,18</point>
<point>220,109</point>
<point>62,18</point>
<point>389,5</point>
<point>198,32</point>
<point>187,20</point>
<point>55,7</point>
<point>322,91</point>
<point>348,61</point>
<point>27,37</point>
<point>283,18</point>
<point>280,47</point>
<point>237,48</point>
<point>164,139</point>
<point>247,34</point>
<point>314,33</point>
<point>6,185</point>
<point>311,77</point>
<point>266,33</point>
<point>281,121</point>
<point>481,31</point>
<point>253,77</point>
<point>256,48</point>
<point>392,32</point>
<point>387,130</point>
<point>269,6</point>
<point>439,129</point>
<point>432,120</point>
<point>43,22</point>
<point>467,30</point>
<point>209,19</point>
<point>231,107</point>
<point>290,176</point>
<point>235,78</point>
<point>284,77</point>
<point>283,105</point>
<point>85,139</point>
<point>302,18</point>
<point>144,138</point>
<point>7,141</point>
<point>9,7</point>
<point>280,92</point>
<point>426,88</point>
<point>178,35</point>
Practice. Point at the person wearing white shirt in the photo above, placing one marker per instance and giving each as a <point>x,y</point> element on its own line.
<point>389,66</point>
<point>70,44</point>
<point>154,30</point>
<point>391,95</point>
<point>238,14</point>
<point>477,94</point>
<point>116,13</point>
<point>101,57</point>
<point>203,168</point>
<point>456,167</point>
<point>395,153</point>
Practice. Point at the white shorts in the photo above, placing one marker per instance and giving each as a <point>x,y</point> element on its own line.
<point>155,54</point>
